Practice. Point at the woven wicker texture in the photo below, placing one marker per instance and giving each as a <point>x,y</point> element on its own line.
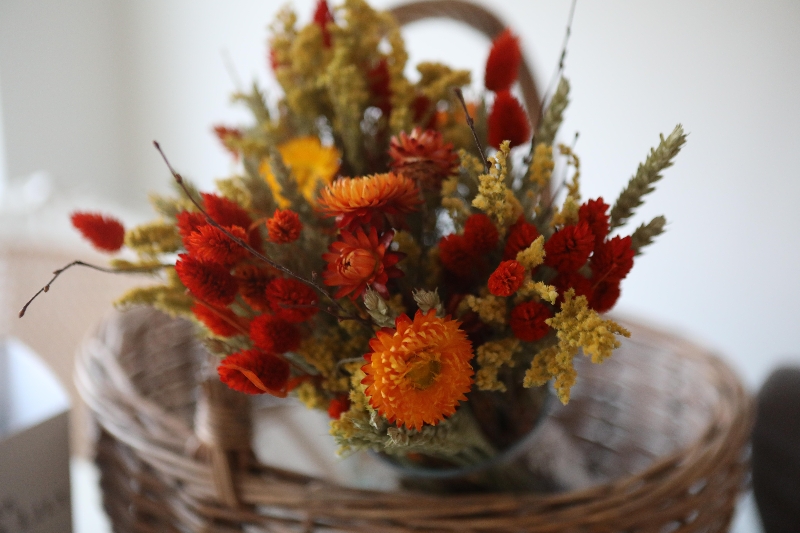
<point>665,424</point>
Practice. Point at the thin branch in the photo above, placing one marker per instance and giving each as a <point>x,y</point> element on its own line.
<point>551,87</point>
<point>61,270</point>
<point>471,124</point>
<point>255,253</point>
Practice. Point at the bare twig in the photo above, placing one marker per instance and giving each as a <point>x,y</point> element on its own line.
<point>342,314</point>
<point>471,124</point>
<point>58,272</point>
<point>551,86</point>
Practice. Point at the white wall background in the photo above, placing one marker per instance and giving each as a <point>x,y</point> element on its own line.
<point>88,84</point>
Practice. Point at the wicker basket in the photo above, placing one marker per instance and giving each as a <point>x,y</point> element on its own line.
<point>664,423</point>
<point>662,426</point>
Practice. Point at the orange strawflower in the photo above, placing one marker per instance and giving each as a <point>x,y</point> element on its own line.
<point>212,245</point>
<point>507,121</point>
<point>211,283</point>
<point>255,372</point>
<point>502,66</point>
<point>424,157</point>
<point>360,201</point>
<point>106,233</point>
<point>419,372</point>
<point>359,260</point>
<point>507,278</point>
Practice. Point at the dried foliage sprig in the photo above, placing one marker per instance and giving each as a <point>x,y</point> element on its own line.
<point>646,175</point>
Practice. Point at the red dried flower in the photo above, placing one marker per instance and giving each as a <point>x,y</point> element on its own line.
<point>188,222</point>
<point>521,234</point>
<point>507,121</point>
<point>572,280</point>
<point>323,17</point>
<point>284,226</point>
<point>225,212</point>
<point>424,157</point>
<point>612,260</point>
<point>528,321</point>
<point>569,249</point>
<point>105,232</point>
<point>359,260</point>
<point>211,283</point>
<point>379,80</point>
<point>211,245</point>
<point>369,199</point>
<point>502,66</point>
<point>455,256</point>
<point>228,137</point>
<point>480,234</point>
<point>605,295</point>
<point>507,278</point>
<point>253,281</point>
<point>222,322</point>
<point>292,300</point>
<point>255,372</point>
<point>595,213</point>
<point>422,108</point>
<point>274,334</point>
<point>338,405</point>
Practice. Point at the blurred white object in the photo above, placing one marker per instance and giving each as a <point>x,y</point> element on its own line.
<point>34,445</point>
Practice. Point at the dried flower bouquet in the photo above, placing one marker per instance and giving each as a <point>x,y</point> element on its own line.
<point>372,260</point>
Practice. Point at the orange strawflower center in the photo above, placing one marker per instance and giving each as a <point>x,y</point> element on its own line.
<point>418,373</point>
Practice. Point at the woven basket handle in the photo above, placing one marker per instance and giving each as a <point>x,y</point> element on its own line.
<point>480,19</point>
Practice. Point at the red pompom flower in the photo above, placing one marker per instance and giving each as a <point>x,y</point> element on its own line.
<point>255,372</point>
<point>105,232</point>
<point>595,213</point>
<point>508,121</point>
<point>274,334</point>
<point>605,295</point>
<point>507,278</point>
<point>520,235</point>
<point>612,260</point>
<point>211,245</point>
<point>528,321</point>
<point>569,249</point>
<point>284,226</point>
<point>292,300</point>
<point>252,281</point>
<point>480,234</point>
<point>455,255</point>
<point>211,283</point>
<point>338,405</point>
<point>502,66</point>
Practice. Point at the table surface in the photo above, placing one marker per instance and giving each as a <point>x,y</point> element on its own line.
<point>88,516</point>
